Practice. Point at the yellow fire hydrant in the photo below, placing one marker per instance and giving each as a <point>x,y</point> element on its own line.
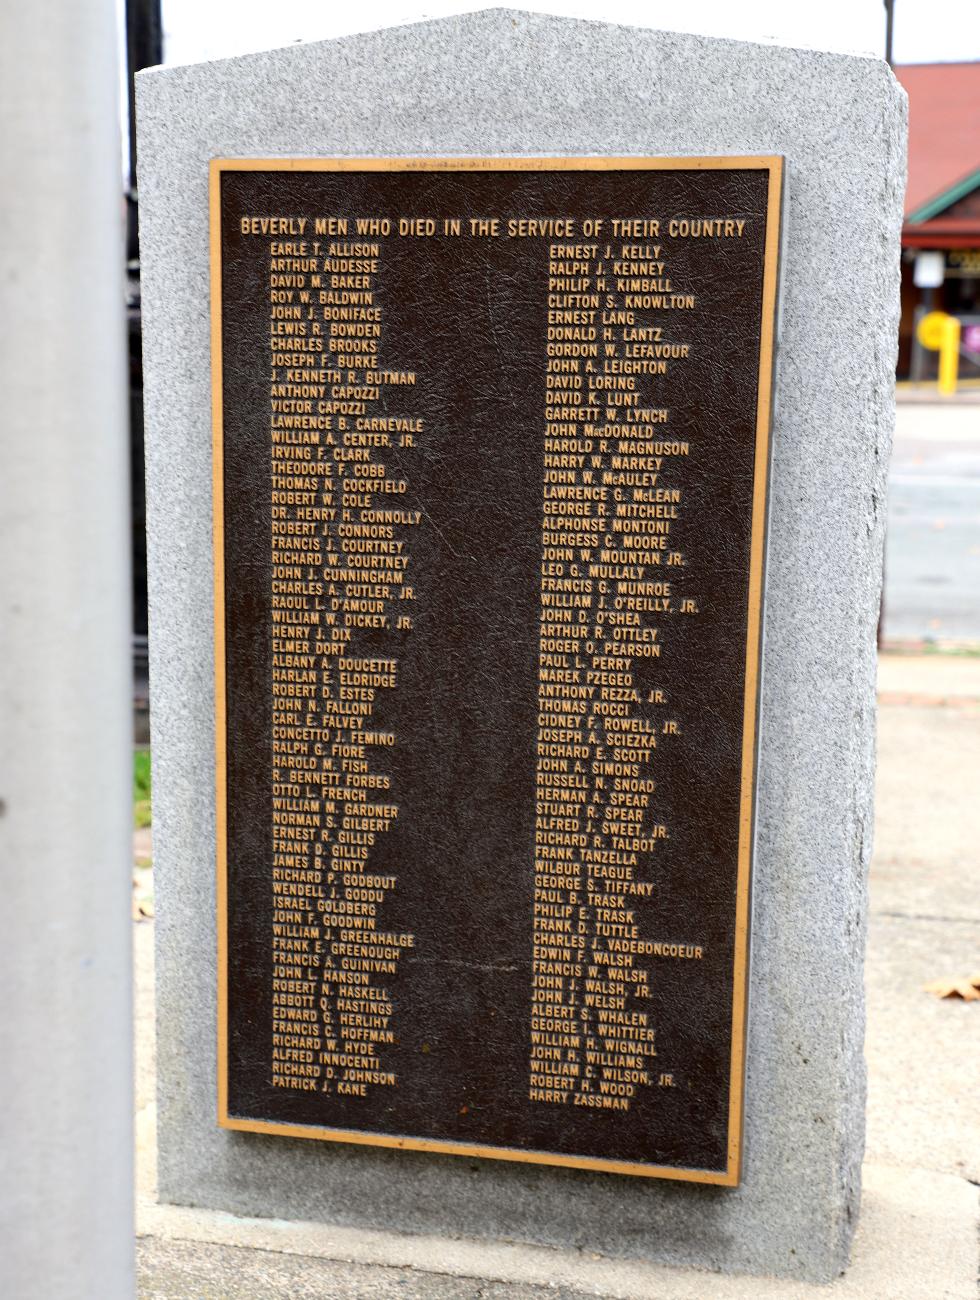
<point>940,332</point>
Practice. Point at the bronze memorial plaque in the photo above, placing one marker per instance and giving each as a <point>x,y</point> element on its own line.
<point>490,473</point>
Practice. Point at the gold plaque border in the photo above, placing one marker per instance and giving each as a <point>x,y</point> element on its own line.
<point>774,167</point>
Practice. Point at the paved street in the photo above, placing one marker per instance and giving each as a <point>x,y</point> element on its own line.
<point>932,563</point>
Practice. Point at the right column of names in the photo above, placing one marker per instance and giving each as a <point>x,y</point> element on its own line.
<point>613,556</point>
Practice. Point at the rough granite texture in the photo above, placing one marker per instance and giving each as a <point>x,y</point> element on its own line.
<point>497,83</point>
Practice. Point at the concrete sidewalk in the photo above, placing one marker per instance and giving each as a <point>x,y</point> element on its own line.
<point>918,1235</point>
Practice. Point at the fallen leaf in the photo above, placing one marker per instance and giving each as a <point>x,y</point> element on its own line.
<point>967,989</point>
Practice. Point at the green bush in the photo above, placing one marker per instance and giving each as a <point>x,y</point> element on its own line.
<point>141,788</point>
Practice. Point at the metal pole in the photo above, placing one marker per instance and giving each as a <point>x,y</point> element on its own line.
<point>144,49</point>
<point>66,1212</point>
<point>889,30</point>
<point>917,365</point>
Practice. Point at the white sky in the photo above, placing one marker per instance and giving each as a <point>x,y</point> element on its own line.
<point>926,31</point>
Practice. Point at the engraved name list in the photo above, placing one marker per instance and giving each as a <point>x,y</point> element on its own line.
<point>491,455</point>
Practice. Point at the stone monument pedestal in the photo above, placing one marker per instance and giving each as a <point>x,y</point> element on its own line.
<point>504,83</point>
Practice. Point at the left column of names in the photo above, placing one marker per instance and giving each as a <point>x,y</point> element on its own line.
<point>337,565</point>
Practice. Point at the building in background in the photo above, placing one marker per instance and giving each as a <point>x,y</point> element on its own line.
<point>941,234</point>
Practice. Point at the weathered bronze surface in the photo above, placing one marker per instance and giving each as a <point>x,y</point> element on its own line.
<point>491,450</point>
